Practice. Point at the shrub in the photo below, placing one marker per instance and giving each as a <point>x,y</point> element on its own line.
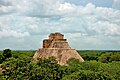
<point>1,59</point>
<point>7,53</point>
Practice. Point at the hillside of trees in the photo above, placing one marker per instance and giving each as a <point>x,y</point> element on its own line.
<point>98,65</point>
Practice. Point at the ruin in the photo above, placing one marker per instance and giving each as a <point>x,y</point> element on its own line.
<point>57,47</point>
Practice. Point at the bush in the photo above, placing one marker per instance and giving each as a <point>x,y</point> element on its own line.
<point>115,57</point>
<point>1,59</point>
<point>7,53</point>
<point>109,57</point>
<point>21,67</point>
<point>87,75</point>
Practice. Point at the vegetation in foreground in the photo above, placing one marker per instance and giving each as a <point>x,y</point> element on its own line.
<point>98,65</point>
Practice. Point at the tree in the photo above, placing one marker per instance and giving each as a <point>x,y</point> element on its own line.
<point>115,57</point>
<point>7,53</point>
<point>105,58</point>
<point>1,59</point>
<point>87,75</point>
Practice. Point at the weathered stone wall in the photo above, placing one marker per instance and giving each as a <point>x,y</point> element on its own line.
<point>47,43</point>
<point>61,55</point>
<point>57,47</point>
<point>56,36</point>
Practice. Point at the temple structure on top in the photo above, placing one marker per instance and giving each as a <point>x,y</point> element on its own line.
<point>57,47</point>
<point>53,37</point>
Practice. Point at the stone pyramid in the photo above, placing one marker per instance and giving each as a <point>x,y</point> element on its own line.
<point>57,47</point>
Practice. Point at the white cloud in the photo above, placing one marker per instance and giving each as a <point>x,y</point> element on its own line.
<point>66,7</point>
<point>103,21</point>
<point>40,17</point>
<point>116,4</point>
<point>12,33</point>
<point>9,27</point>
<point>106,28</point>
<point>6,10</point>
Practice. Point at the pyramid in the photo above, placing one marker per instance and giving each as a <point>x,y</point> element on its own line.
<point>57,47</point>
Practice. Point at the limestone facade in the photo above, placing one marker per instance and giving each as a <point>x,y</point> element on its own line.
<point>58,47</point>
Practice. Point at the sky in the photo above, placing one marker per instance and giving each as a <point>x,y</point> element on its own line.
<point>86,24</point>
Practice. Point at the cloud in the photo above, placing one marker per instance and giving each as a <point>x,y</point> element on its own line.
<point>33,18</point>
<point>8,28</point>
<point>4,3</point>
<point>12,33</point>
<point>6,7</point>
<point>66,7</point>
<point>102,21</point>
<point>116,4</point>
<point>37,8</point>
<point>6,10</point>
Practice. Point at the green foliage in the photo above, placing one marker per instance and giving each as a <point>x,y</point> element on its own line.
<point>97,66</point>
<point>109,57</point>
<point>87,75</point>
<point>91,65</point>
<point>114,69</point>
<point>92,70</point>
<point>14,67</point>
<point>25,69</point>
<point>115,57</point>
<point>0,52</point>
<point>20,54</point>
<point>73,60</point>
<point>102,56</point>
<point>1,59</point>
<point>90,55</point>
<point>7,53</point>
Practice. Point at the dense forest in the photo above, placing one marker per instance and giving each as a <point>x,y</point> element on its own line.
<point>98,65</point>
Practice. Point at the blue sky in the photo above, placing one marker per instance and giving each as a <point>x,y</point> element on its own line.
<point>87,24</point>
